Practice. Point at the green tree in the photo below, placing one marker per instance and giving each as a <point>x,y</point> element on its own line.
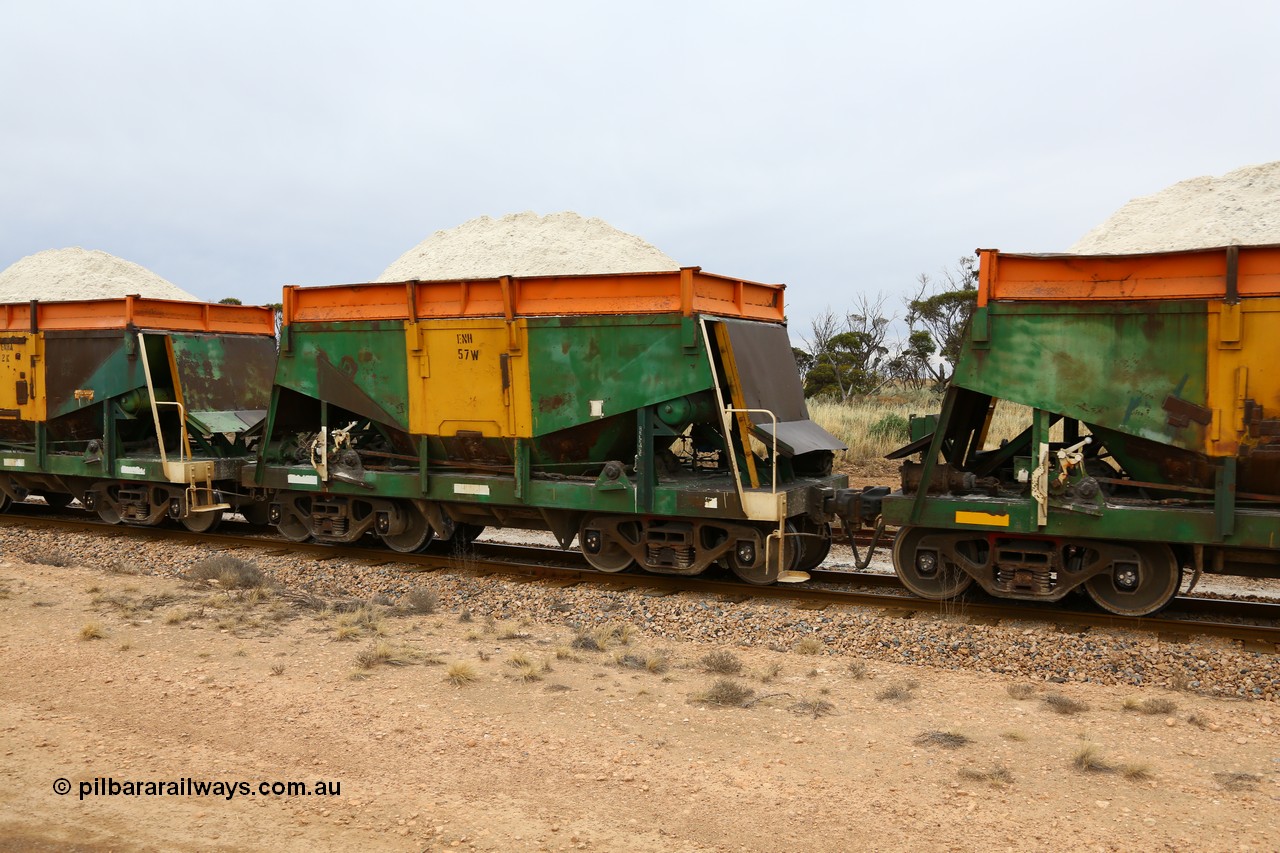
<point>941,310</point>
<point>846,355</point>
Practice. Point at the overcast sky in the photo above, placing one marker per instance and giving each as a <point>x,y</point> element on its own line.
<point>842,148</point>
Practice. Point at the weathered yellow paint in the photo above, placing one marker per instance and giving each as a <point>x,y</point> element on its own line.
<point>456,366</point>
<point>22,370</point>
<point>987,518</point>
<point>1242,351</point>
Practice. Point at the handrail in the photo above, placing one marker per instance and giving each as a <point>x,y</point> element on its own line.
<point>155,409</point>
<point>773,456</point>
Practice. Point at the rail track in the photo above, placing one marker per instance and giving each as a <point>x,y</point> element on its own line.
<point>1255,624</point>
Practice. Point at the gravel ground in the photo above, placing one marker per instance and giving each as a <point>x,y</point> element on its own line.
<point>945,639</point>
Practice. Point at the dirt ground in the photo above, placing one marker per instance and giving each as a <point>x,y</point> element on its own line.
<point>559,748</point>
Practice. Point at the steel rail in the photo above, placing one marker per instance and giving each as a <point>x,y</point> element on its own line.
<point>545,562</point>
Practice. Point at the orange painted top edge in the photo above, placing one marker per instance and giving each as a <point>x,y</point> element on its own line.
<point>533,296</point>
<point>1189,274</point>
<point>140,313</point>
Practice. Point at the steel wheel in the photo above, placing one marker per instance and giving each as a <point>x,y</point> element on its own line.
<point>293,528</point>
<point>764,570</point>
<point>415,536</point>
<point>257,513</point>
<point>107,511</point>
<point>465,533</point>
<point>814,547</point>
<point>922,567</point>
<point>1139,588</point>
<point>202,522</point>
<point>601,550</point>
<point>5,502</point>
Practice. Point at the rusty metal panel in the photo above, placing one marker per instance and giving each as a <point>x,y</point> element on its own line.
<point>360,367</point>
<point>98,365</point>
<point>1114,364</point>
<point>223,373</point>
<point>582,369</point>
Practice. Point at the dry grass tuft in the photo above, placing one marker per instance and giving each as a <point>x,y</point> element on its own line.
<point>1089,759</point>
<point>1014,736</point>
<point>1021,691</point>
<point>810,645</point>
<point>897,691</point>
<point>814,707</point>
<point>528,672</point>
<point>421,601</point>
<point>858,670</point>
<point>519,660</point>
<point>383,653</point>
<point>656,662</point>
<point>1198,720</point>
<point>1237,781</point>
<point>726,693</point>
<point>585,641</point>
<point>720,662</point>
<point>346,632</point>
<point>1136,772</point>
<point>229,572</point>
<point>460,673</point>
<point>356,622</point>
<point>464,616</point>
<point>997,775</point>
<point>565,653</point>
<point>616,633</point>
<point>946,740</point>
<point>178,615</point>
<point>1153,706</point>
<point>277,669</point>
<point>1063,704</point>
<point>92,631</point>
<point>860,422</point>
<point>769,673</point>
<point>603,638</point>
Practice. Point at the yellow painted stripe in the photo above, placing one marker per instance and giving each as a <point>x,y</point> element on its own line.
<point>982,518</point>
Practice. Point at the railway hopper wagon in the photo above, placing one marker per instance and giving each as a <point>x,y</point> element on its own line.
<point>143,409</point>
<point>656,418</point>
<point>1151,386</point>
